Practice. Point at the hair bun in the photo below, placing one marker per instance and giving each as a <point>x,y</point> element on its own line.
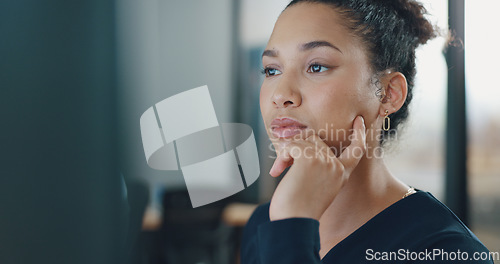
<point>414,13</point>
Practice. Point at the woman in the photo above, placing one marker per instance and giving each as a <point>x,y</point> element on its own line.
<point>339,78</point>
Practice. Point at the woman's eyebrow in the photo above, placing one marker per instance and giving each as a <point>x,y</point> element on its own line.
<point>270,53</point>
<point>304,47</point>
<point>316,44</point>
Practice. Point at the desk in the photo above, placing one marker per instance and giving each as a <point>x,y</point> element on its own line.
<point>235,214</point>
<point>151,220</point>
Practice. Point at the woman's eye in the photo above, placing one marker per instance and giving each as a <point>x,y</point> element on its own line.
<point>271,72</point>
<point>317,68</point>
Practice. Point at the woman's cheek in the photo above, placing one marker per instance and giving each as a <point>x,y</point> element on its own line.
<point>264,101</point>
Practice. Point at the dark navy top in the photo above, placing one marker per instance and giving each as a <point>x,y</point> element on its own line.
<point>416,229</point>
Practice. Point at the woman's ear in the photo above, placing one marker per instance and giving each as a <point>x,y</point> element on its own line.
<point>394,91</point>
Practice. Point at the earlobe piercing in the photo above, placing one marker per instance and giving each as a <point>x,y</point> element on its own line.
<point>387,121</point>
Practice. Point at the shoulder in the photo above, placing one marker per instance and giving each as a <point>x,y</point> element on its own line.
<point>418,221</point>
<point>423,214</point>
<point>417,224</point>
<point>450,247</point>
<point>419,215</point>
<point>438,229</point>
<point>433,214</point>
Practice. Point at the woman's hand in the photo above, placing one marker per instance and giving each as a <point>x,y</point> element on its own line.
<point>316,175</point>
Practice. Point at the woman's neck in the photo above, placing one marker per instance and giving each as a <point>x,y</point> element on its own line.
<point>370,189</point>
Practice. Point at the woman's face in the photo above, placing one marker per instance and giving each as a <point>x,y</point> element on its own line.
<point>317,78</point>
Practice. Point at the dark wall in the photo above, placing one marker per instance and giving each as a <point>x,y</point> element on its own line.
<point>59,186</point>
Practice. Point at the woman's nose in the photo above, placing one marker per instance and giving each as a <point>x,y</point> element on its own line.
<point>286,94</point>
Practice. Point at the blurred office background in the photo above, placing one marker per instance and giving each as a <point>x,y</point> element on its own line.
<point>78,76</point>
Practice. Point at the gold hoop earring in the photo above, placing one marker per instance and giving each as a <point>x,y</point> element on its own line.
<point>387,121</point>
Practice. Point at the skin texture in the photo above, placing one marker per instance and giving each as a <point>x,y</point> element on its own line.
<point>337,173</point>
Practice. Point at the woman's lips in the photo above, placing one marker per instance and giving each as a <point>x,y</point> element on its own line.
<point>286,127</point>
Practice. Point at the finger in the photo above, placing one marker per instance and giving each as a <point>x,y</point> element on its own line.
<point>279,165</point>
<point>351,156</point>
<point>283,161</point>
<point>286,158</point>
